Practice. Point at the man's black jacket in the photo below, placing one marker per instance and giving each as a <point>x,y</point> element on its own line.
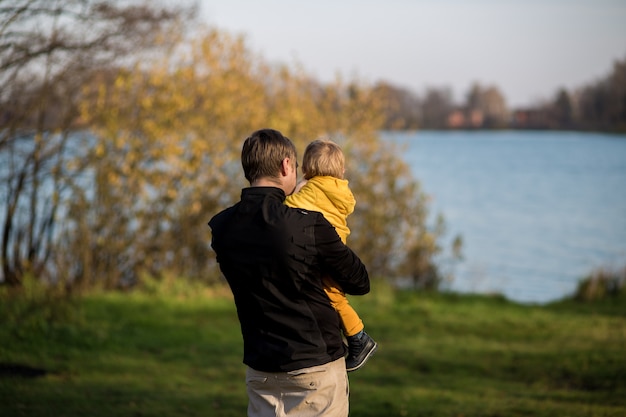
<point>273,258</point>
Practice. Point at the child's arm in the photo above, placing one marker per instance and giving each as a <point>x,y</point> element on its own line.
<point>302,198</point>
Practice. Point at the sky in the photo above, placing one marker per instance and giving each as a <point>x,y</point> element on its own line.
<point>527,48</point>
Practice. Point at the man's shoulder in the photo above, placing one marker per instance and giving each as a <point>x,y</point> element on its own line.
<point>222,215</point>
<point>299,217</point>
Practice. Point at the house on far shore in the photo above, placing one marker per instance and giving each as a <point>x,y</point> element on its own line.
<point>529,119</point>
<point>462,118</point>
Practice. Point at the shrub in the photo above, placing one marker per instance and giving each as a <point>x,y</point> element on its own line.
<point>602,284</point>
<point>36,305</point>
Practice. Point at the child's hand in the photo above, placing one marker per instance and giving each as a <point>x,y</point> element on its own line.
<point>300,185</point>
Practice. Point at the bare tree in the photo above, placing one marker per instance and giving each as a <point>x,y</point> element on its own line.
<point>563,110</point>
<point>491,104</point>
<point>602,105</point>
<point>402,106</point>
<point>436,106</point>
<point>50,49</point>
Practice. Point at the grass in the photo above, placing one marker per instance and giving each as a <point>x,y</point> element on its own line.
<point>440,355</point>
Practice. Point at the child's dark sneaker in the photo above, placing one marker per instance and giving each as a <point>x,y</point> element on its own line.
<point>360,348</point>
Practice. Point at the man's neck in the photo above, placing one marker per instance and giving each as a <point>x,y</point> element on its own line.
<point>271,182</point>
<point>266,182</point>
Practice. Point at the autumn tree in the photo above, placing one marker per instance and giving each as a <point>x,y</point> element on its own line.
<point>134,142</point>
<point>166,153</point>
<point>169,138</point>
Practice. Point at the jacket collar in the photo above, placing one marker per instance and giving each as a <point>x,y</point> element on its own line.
<point>262,193</point>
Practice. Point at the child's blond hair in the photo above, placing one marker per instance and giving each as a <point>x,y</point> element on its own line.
<point>323,157</point>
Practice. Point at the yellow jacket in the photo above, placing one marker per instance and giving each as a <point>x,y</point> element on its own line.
<point>329,195</point>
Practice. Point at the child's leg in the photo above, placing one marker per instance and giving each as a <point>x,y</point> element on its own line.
<point>360,345</point>
<point>352,323</point>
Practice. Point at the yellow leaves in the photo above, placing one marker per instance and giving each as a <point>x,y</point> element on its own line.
<point>101,97</point>
<point>146,102</point>
<point>99,151</point>
<point>120,82</point>
<point>212,95</point>
<point>171,193</point>
<point>169,135</point>
<point>113,178</point>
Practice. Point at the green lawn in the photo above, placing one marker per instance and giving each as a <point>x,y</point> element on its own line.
<point>440,355</point>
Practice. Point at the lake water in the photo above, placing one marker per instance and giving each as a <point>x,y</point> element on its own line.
<point>537,210</point>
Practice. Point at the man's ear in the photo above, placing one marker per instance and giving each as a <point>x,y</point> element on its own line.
<point>285,165</point>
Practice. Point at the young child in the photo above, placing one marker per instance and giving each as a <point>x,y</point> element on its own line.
<point>325,190</point>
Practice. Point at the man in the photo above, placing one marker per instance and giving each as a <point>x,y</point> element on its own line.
<point>273,258</point>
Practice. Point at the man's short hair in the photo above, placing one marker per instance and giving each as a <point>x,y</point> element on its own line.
<point>323,157</point>
<point>263,153</point>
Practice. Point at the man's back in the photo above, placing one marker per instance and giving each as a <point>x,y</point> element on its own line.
<point>273,257</point>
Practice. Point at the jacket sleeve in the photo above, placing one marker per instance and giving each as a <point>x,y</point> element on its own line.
<point>305,198</point>
<point>339,261</point>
